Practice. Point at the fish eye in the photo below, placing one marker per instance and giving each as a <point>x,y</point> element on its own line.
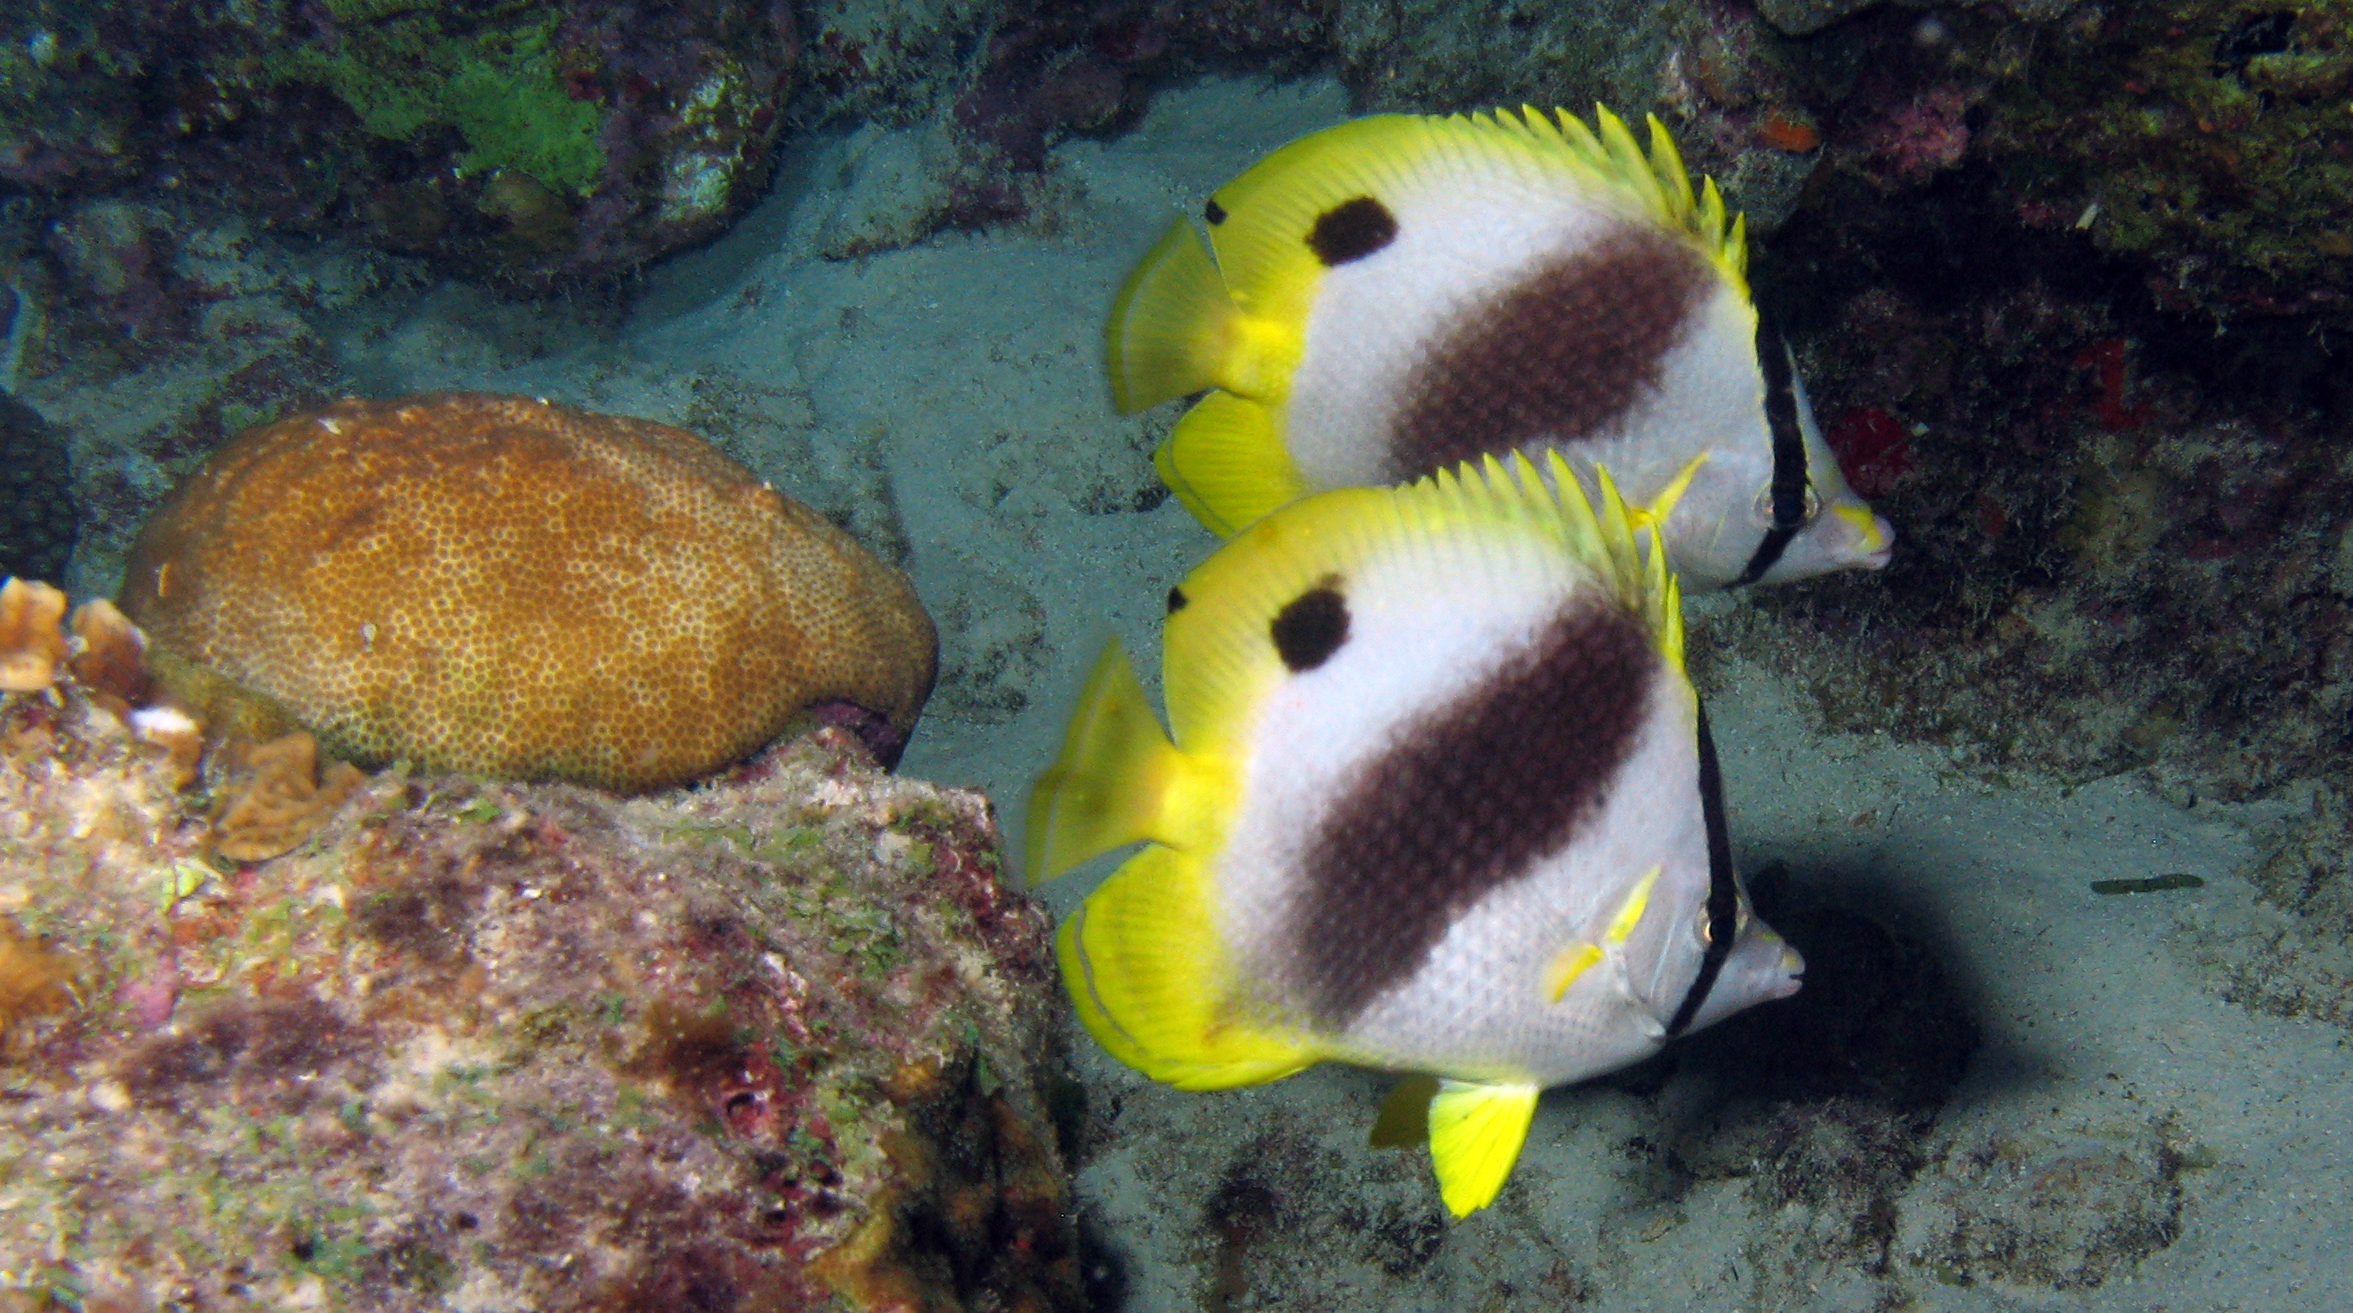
<point>1806,515</point>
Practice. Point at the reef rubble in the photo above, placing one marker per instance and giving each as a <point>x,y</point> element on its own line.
<point>780,1041</point>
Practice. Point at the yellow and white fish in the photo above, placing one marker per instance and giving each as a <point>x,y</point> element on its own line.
<point>1440,800</point>
<point>1398,294</point>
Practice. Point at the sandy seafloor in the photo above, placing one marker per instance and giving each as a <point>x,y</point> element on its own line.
<point>967,369</point>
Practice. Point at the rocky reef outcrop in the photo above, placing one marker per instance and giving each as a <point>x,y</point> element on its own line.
<point>783,1041</point>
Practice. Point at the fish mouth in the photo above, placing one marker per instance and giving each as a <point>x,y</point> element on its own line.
<point>1793,972</point>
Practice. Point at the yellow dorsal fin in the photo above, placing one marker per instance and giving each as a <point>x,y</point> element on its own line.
<point>1108,787</point>
<point>1638,568</point>
<point>1656,182</point>
<point>1476,1130</point>
<point>1271,207</point>
<point>1218,662</point>
<point>1170,329</point>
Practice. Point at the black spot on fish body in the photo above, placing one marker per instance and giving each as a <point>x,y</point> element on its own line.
<point>1312,627</point>
<point>1466,800</point>
<point>1176,600</point>
<point>1351,231</point>
<point>1561,354</point>
<point>1214,212</point>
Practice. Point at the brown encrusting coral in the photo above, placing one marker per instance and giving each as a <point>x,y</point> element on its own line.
<point>512,588</point>
<point>782,1042</point>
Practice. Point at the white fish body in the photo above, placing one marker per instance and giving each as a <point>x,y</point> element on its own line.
<point>1439,801</point>
<point>1400,294</point>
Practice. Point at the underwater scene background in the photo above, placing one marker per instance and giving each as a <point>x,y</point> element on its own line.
<point>2057,805</point>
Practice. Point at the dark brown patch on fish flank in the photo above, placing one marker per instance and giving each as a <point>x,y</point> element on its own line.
<point>1214,212</point>
<point>1312,627</point>
<point>1177,600</point>
<point>1465,799</point>
<point>1561,353</point>
<point>1351,230</point>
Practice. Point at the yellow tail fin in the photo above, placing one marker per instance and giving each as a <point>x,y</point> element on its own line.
<point>1168,329</point>
<point>1148,975</point>
<point>1476,1130</point>
<point>1226,463</point>
<point>1106,788</point>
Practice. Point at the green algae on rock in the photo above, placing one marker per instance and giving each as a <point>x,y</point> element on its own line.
<point>781,1042</point>
<point>2209,141</point>
<point>547,146</point>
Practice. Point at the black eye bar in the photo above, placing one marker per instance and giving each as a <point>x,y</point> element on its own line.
<point>1723,884</point>
<point>1789,452</point>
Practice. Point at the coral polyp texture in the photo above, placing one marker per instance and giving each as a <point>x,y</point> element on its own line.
<point>780,1043</point>
<point>510,588</point>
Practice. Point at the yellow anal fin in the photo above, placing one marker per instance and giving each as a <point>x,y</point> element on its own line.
<point>1150,982</point>
<point>1170,326</point>
<point>1404,1120</point>
<point>1580,957</point>
<point>1107,787</point>
<point>1476,1130</point>
<point>1227,464</point>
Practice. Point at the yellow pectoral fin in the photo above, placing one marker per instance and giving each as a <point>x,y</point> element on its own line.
<point>1476,1130</point>
<point>1663,506</point>
<point>1580,957</point>
<point>1630,912</point>
<point>1570,963</point>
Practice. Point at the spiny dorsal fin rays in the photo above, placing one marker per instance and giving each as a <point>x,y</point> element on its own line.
<point>1640,569</point>
<point>1658,181</point>
<point>1666,164</point>
<point>1630,164</point>
<point>1667,590</point>
<point>1553,501</point>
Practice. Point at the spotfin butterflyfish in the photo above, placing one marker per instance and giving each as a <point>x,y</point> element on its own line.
<point>1400,293</point>
<point>1439,800</point>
